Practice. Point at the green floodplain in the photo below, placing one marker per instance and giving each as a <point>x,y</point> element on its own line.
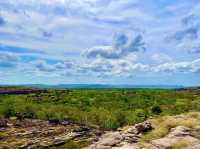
<point>106,108</point>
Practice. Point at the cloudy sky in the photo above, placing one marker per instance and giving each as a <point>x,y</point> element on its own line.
<point>100,41</point>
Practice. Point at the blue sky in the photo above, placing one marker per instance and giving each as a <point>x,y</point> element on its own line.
<point>100,41</point>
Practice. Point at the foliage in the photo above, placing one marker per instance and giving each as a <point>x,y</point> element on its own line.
<point>156,109</point>
<point>107,108</point>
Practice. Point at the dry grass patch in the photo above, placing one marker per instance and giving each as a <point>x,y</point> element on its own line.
<point>162,125</point>
<point>180,144</point>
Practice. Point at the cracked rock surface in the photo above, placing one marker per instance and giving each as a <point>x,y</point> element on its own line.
<point>31,134</point>
<point>126,138</point>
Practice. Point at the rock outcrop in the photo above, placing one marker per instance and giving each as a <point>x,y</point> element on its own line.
<point>180,137</point>
<point>32,133</point>
<point>185,138</point>
<point>125,138</point>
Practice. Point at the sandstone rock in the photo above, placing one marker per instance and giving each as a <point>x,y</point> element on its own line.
<point>166,143</point>
<point>127,146</point>
<point>46,144</point>
<point>131,138</point>
<point>193,146</point>
<point>33,146</point>
<point>3,123</point>
<point>58,142</point>
<point>23,146</point>
<point>143,127</point>
<point>111,139</point>
<point>176,135</point>
<point>67,122</point>
<point>179,131</point>
<point>124,138</point>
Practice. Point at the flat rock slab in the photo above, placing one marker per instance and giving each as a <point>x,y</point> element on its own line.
<point>177,135</point>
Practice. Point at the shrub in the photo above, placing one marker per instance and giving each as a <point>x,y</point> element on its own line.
<point>121,117</point>
<point>8,109</point>
<point>133,117</point>
<point>156,109</point>
<point>180,107</point>
<point>30,111</point>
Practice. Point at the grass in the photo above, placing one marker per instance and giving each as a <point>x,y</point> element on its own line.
<point>181,144</point>
<point>162,126</point>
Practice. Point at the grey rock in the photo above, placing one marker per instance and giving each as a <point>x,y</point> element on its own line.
<point>33,146</point>
<point>3,122</point>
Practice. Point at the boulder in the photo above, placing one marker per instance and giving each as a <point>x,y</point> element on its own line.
<point>111,139</point>
<point>143,127</point>
<point>179,131</point>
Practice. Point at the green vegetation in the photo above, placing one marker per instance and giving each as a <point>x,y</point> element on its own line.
<point>106,108</point>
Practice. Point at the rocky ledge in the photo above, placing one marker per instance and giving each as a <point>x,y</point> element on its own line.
<point>179,137</point>
<point>125,138</point>
<point>31,134</point>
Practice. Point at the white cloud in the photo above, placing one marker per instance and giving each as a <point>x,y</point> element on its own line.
<point>123,46</point>
<point>184,67</point>
<point>59,27</point>
<point>161,58</point>
<point>8,59</point>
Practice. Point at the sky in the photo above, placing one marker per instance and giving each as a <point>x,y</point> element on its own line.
<point>138,42</point>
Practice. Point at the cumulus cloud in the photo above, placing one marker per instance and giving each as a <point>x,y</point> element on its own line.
<point>47,34</point>
<point>113,67</point>
<point>185,67</point>
<point>2,21</point>
<point>55,28</point>
<point>118,59</point>
<point>189,33</point>
<point>44,66</point>
<point>195,49</point>
<point>161,58</point>
<point>8,59</point>
<point>188,36</point>
<point>195,66</point>
<point>122,47</point>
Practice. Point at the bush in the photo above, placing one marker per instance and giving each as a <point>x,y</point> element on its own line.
<point>30,111</point>
<point>180,107</point>
<point>156,109</point>
<point>121,117</point>
<point>133,117</point>
<point>8,109</point>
